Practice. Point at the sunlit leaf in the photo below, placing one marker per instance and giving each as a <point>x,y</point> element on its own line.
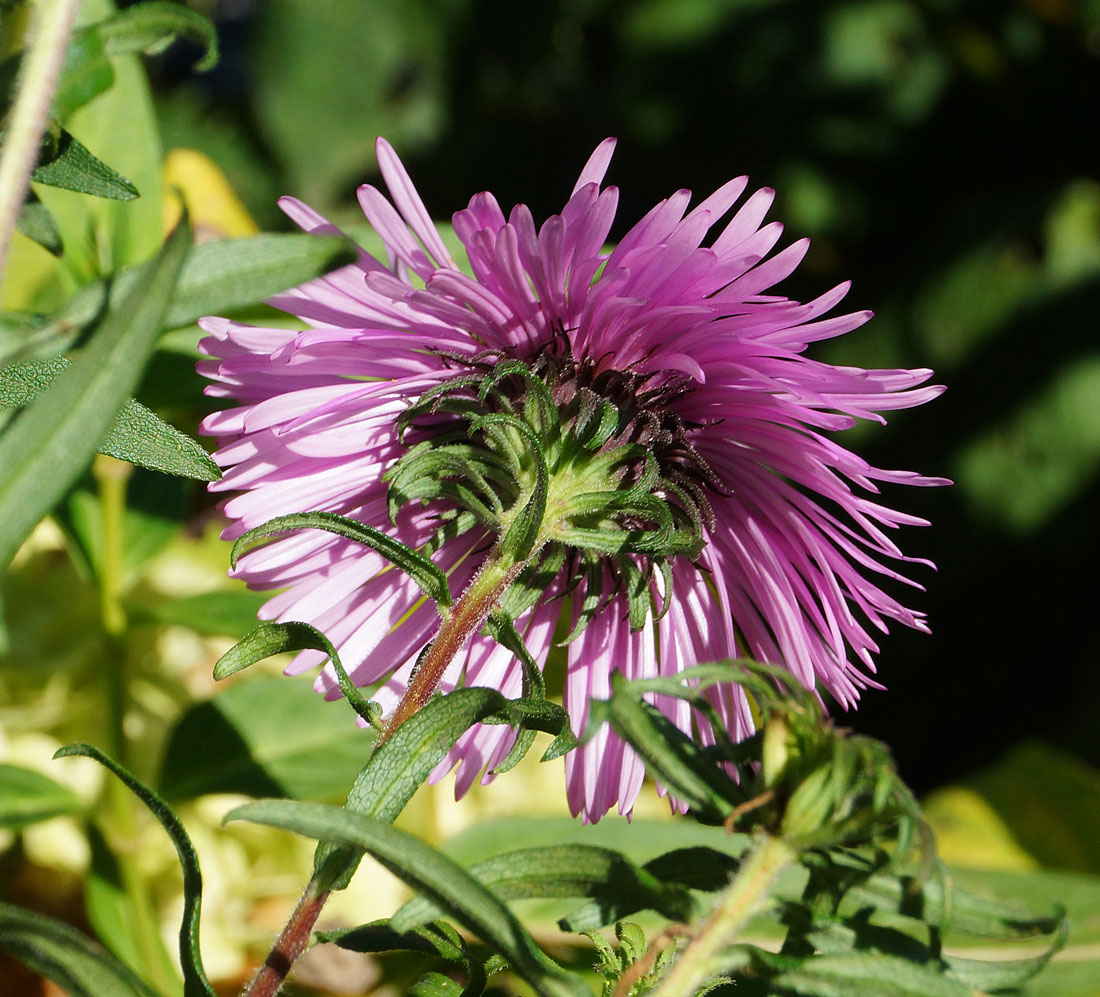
<point>195,983</point>
<point>429,871</point>
<point>53,438</point>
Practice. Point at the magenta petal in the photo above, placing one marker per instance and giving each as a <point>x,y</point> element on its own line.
<point>800,560</point>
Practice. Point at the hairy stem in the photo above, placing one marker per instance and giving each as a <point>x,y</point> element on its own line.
<point>51,26</point>
<point>291,943</point>
<point>465,618</point>
<point>748,894</point>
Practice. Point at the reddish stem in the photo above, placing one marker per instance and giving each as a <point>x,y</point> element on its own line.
<point>290,944</point>
<point>468,614</point>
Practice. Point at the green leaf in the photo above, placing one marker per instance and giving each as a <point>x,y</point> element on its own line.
<point>866,976</point>
<point>195,983</point>
<point>64,955</point>
<point>430,578</point>
<point>269,736</point>
<point>697,868</point>
<point>51,440</point>
<point>431,873</point>
<point>27,797</point>
<point>670,755</point>
<point>85,73</point>
<point>150,27</point>
<point>565,871</point>
<point>138,435</point>
<point>71,166</point>
<point>36,222</point>
<point>114,919</point>
<point>228,274</point>
<point>225,613</point>
<point>275,638</point>
<point>400,766</point>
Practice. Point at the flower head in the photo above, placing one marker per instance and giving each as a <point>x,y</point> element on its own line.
<point>637,429</point>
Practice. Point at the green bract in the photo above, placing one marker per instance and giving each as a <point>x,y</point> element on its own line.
<point>566,479</point>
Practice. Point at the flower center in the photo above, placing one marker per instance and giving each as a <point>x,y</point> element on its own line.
<point>578,471</point>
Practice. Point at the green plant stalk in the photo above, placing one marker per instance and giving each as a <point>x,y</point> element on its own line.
<point>50,29</point>
<point>748,894</point>
<point>458,623</point>
<point>156,964</point>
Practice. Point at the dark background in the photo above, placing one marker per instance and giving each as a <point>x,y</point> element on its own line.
<point>942,155</point>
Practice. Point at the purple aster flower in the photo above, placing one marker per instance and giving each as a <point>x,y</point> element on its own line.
<point>652,397</point>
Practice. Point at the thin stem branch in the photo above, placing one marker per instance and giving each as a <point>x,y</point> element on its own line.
<point>50,29</point>
<point>747,895</point>
<point>466,616</point>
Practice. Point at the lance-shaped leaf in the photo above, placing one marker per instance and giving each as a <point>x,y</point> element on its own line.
<point>53,438</point>
<point>860,975</point>
<point>438,939</point>
<point>228,274</point>
<point>62,954</point>
<point>698,868</point>
<point>27,797</point>
<point>69,165</point>
<point>274,638</point>
<point>216,277</point>
<point>399,767</point>
<point>36,222</point>
<point>430,578</point>
<point>573,870</point>
<point>195,983</point>
<point>138,435</point>
<point>670,755</point>
<point>429,872</point>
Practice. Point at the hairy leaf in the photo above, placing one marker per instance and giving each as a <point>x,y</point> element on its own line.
<point>195,983</point>
<point>430,872</point>
<point>69,165</point>
<point>52,439</point>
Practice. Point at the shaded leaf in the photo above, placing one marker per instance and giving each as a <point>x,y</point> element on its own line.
<point>71,166</point>
<point>150,27</point>
<point>430,872</point>
<point>265,737</point>
<point>697,868</point>
<point>64,955</point>
<point>36,222</point>
<point>52,439</point>
<point>27,797</point>
<point>566,871</point>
